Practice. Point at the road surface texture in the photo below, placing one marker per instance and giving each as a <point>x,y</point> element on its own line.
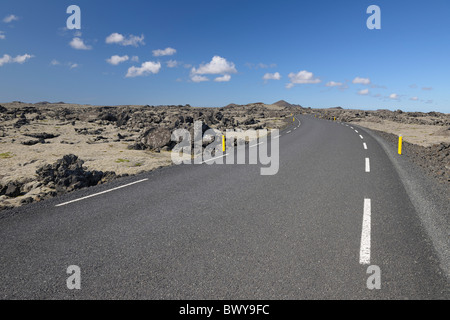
<point>336,207</point>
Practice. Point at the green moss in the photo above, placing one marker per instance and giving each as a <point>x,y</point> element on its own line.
<point>6,155</point>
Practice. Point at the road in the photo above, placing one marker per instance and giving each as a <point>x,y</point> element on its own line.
<point>336,207</point>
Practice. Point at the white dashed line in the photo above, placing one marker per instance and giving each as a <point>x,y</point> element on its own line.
<point>97,194</point>
<point>252,146</point>
<point>224,155</point>
<point>365,145</point>
<point>361,136</point>
<point>367,165</point>
<point>364,252</point>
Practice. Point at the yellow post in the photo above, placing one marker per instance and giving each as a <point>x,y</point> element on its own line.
<point>223,144</point>
<point>400,140</point>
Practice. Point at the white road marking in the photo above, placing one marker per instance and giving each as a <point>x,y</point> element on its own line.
<point>365,145</point>
<point>364,252</point>
<point>361,136</point>
<point>97,194</point>
<point>252,146</point>
<point>367,165</point>
<point>224,155</point>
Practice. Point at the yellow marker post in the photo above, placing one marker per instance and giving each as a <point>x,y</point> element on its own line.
<point>223,144</point>
<point>400,141</point>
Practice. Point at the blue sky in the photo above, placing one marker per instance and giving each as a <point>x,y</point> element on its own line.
<point>212,53</point>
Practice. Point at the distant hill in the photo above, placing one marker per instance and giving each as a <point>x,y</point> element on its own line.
<point>286,104</point>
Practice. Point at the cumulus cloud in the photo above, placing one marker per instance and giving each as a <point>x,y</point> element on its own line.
<point>131,40</point>
<point>218,65</point>
<point>334,84</point>
<point>78,44</point>
<point>363,92</point>
<point>165,52</point>
<point>359,80</point>
<point>272,76</point>
<point>198,78</point>
<point>224,78</point>
<point>10,18</point>
<point>115,60</point>
<point>18,59</point>
<point>172,63</point>
<point>393,96</point>
<point>302,77</point>
<point>144,70</point>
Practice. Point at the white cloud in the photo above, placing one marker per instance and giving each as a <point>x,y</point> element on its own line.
<point>18,59</point>
<point>2,35</point>
<point>302,77</point>
<point>224,78</point>
<point>289,85</point>
<point>218,65</point>
<point>115,60</point>
<point>363,92</point>
<point>359,80</point>
<point>334,84</point>
<point>272,76</point>
<point>414,99</point>
<point>165,52</point>
<point>172,63</point>
<point>145,69</point>
<point>78,44</point>
<point>10,18</point>
<point>22,59</point>
<point>117,38</point>
<point>198,78</point>
<point>393,96</point>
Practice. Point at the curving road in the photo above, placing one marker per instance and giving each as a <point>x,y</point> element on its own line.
<point>336,206</point>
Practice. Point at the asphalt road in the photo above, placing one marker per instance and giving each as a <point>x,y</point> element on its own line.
<point>227,232</point>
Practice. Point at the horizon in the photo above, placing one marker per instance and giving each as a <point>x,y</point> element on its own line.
<point>211,54</point>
